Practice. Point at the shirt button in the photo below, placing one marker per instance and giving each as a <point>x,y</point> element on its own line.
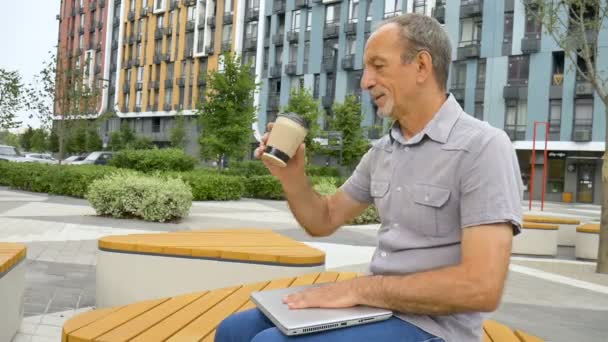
<point>398,188</point>
<point>383,254</point>
<point>426,198</point>
<point>396,225</point>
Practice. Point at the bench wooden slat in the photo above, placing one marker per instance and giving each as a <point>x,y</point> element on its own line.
<point>536,225</point>
<point>551,219</point>
<point>10,255</point>
<point>275,284</point>
<point>175,322</point>
<point>306,279</point>
<point>327,277</point>
<point>83,319</point>
<point>523,337</point>
<point>593,228</point>
<point>206,323</point>
<point>347,276</point>
<point>485,337</point>
<point>148,319</point>
<point>498,332</point>
<point>113,320</point>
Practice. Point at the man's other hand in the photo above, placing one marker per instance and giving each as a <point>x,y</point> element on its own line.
<point>335,295</point>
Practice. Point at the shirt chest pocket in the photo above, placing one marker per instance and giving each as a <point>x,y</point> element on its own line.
<point>379,191</point>
<point>430,214</point>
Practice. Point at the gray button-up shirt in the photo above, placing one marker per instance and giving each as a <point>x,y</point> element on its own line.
<point>458,172</point>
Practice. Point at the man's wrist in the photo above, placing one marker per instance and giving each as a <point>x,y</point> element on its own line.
<point>295,185</point>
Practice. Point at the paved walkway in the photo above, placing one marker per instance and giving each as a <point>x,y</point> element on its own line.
<point>556,299</point>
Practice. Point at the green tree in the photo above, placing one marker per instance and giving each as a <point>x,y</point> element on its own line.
<point>304,104</point>
<point>39,140</point>
<point>347,120</point>
<point>94,142</point>
<point>178,132</point>
<point>8,138</point>
<point>575,26</point>
<point>53,141</point>
<point>125,138</point>
<point>227,115</point>
<point>10,98</point>
<point>25,139</point>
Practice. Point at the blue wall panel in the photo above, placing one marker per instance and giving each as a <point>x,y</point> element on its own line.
<point>538,92</point>
<point>496,78</point>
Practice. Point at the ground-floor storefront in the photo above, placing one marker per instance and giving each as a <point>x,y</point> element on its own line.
<point>572,176</point>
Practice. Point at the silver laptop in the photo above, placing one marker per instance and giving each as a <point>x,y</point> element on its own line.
<point>305,321</point>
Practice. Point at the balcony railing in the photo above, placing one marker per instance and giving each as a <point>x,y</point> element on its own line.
<point>516,132</point>
<point>278,7</point>
<point>530,42</point>
<point>348,62</point>
<point>554,129</point>
<point>329,64</point>
<point>290,68</point>
<point>252,14</point>
<point>439,11</point>
<point>332,30</point>
<point>292,36</point>
<point>350,28</point>
<point>471,8</point>
<point>582,130</point>
<point>469,49</point>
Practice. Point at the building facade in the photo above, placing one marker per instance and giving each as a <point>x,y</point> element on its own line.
<point>505,70</point>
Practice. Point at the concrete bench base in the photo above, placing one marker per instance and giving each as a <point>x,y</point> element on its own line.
<point>587,245</point>
<point>566,235</point>
<point>12,286</point>
<point>536,242</point>
<point>123,278</point>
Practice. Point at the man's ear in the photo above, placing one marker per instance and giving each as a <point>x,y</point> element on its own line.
<point>424,65</point>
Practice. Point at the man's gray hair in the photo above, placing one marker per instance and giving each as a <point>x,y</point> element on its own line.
<point>423,33</point>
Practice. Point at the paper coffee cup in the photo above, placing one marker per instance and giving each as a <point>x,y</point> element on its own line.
<point>287,134</point>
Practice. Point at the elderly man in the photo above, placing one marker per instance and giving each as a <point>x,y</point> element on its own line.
<point>448,190</point>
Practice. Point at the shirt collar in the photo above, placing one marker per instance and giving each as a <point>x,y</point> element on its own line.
<point>438,129</point>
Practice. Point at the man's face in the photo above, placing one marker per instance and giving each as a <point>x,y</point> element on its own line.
<point>390,81</point>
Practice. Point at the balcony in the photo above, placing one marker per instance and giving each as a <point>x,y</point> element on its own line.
<point>92,27</point>
<point>329,64</point>
<point>189,3</point>
<point>583,88</point>
<point>181,82</point>
<point>350,28</point>
<point>457,91</point>
<point>292,36</point>
<point>332,30</point>
<point>174,5</point>
<point>211,20</point>
<point>228,18</point>
<point>166,57</point>
<point>167,107</point>
<point>556,89</point>
<point>327,101</point>
<point>81,30</point>
<point>290,68</point>
<point>81,10</point>
<point>348,62</point>
<point>131,16</point>
<point>439,12</point>
<point>530,43</point>
<point>98,47</point>
<point>100,25</point>
<point>251,43</point>
<point>126,87</point>
<point>102,3</point>
<point>278,7</point>
<point>139,86</point>
<point>516,132</point>
<point>300,3</point>
<point>515,89</point>
<point>469,49</point>
<point>92,5</point>
<point>209,50</point>
<point>275,71</point>
<point>158,33</point>
<point>252,14</point>
<point>277,39</point>
<point>582,130</point>
<point>471,8</point>
<point>115,21</point>
<point>132,39</point>
<point>157,59</point>
<point>168,83</point>
<point>190,26</point>
<point>202,81</point>
<point>273,102</point>
<point>226,46</point>
<point>168,31</point>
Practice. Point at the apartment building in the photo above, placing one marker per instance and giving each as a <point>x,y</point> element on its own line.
<point>505,69</point>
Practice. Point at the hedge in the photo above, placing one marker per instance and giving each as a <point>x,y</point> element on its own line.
<point>169,159</point>
<point>133,195</point>
<point>213,187</point>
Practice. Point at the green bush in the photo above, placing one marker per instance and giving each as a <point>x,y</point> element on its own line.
<point>263,187</point>
<point>327,186</point>
<point>322,171</point>
<point>68,180</point>
<point>169,159</point>
<point>247,168</point>
<point>214,187</point>
<point>129,194</point>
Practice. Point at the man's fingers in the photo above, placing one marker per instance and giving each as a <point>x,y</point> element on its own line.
<point>269,126</point>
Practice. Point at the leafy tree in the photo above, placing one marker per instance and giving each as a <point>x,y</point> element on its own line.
<point>94,142</point>
<point>10,98</point>
<point>227,115</point>
<point>53,141</point>
<point>8,138</point>
<point>347,120</point>
<point>303,103</point>
<point>178,132</point>
<point>125,138</point>
<point>575,26</point>
<point>25,139</point>
<point>39,140</point>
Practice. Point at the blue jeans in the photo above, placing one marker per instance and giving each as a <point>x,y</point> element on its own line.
<point>252,325</point>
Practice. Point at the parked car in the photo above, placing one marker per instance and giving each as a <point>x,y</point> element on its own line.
<point>72,159</point>
<point>97,158</point>
<point>43,158</point>
<point>9,153</point>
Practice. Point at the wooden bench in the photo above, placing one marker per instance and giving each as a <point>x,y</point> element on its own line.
<point>566,234</point>
<point>194,317</point>
<point>587,241</point>
<point>536,239</point>
<point>138,267</point>
<point>12,286</point>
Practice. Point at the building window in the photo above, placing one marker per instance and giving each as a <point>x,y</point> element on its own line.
<point>226,34</point>
<point>533,26</point>
<point>353,11</point>
<point>508,28</point>
<point>392,8</point>
<point>252,30</point>
<point>155,125</point>
<point>518,70</point>
<point>316,86</point>
<point>293,53</point>
<point>159,21</point>
<point>332,14</point>
<point>481,73</point>
<point>420,6</point>
<point>159,5</point>
<point>555,119</point>
<point>470,31</point>
<point>558,68</point>
<point>228,7</point>
<point>459,75</point>
<point>309,20</point>
<point>583,119</point>
<point>306,51</point>
<point>515,119</point>
<point>295,20</point>
<point>368,11</point>
<point>170,70</point>
<point>168,96</point>
<point>478,110</point>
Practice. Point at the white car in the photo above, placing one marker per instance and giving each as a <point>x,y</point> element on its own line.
<point>43,158</point>
<point>72,159</point>
<point>9,153</point>
<point>97,158</point>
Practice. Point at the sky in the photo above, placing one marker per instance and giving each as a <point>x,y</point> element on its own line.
<point>28,31</point>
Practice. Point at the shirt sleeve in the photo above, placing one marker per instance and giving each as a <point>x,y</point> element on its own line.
<point>491,188</point>
<point>357,186</point>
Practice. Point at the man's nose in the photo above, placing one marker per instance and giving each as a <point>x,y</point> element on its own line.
<point>367,80</point>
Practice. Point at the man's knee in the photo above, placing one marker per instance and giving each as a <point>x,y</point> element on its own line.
<point>225,332</point>
<point>270,335</point>
<point>241,326</point>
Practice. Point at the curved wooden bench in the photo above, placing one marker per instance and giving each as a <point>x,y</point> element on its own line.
<point>587,241</point>
<point>566,235</point>
<point>536,239</point>
<point>145,266</point>
<point>12,286</point>
<point>497,332</point>
<point>194,317</point>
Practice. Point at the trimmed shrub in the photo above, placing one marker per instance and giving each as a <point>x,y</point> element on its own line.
<point>327,186</point>
<point>247,168</point>
<point>170,159</point>
<point>263,187</point>
<point>322,171</point>
<point>214,187</point>
<point>68,180</point>
<point>132,195</point>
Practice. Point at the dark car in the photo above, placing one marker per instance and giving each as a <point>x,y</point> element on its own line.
<point>97,158</point>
